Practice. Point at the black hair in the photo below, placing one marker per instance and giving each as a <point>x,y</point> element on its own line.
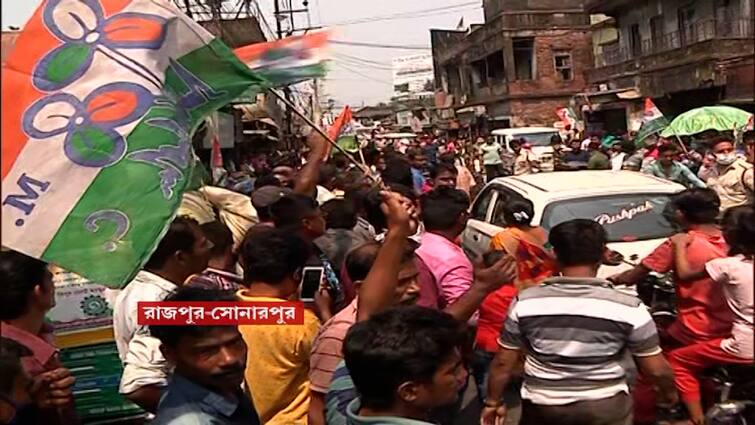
<point>627,146</point>
<point>739,230</point>
<point>19,275</point>
<point>699,206</point>
<point>285,160</point>
<point>357,197</point>
<point>220,236</point>
<point>397,170</point>
<point>372,210</point>
<point>339,214</point>
<point>519,212</point>
<point>667,147</point>
<point>414,152</point>
<point>556,139</point>
<point>266,180</point>
<point>579,242</point>
<point>442,207</point>
<point>179,237</point>
<point>399,345</point>
<point>271,255</point>
<point>441,167</point>
<point>340,161</point>
<point>721,138</point>
<point>289,211</point>
<point>349,180</point>
<point>328,173</point>
<point>359,260</point>
<point>517,142</point>
<point>171,335</point>
<point>447,158</point>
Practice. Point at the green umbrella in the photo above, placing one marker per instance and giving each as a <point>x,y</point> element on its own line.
<point>348,143</point>
<point>719,118</point>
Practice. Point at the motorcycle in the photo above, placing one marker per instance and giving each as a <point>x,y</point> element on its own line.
<point>730,388</point>
<point>734,388</point>
<point>657,292</point>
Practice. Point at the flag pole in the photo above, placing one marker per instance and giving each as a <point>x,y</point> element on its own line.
<point>325,135</point>
<point>684,148</point>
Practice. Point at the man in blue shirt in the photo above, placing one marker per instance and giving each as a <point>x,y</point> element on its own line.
<point>667,168</point>
<point>419,166</point>
<point>209,361</point>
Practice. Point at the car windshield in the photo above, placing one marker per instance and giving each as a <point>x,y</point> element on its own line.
<point>626,218</point>
<point>537,139</point>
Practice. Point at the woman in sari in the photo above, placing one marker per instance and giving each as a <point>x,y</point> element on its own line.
<point>535,263</point>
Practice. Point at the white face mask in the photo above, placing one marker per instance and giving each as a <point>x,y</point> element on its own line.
<point>726,158</point>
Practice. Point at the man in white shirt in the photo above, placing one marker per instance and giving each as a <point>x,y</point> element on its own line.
<point>182,252</point>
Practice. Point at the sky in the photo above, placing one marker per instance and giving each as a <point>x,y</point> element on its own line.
<point>351,81</point>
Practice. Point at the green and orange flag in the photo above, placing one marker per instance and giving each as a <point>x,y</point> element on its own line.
<point>100,99</point>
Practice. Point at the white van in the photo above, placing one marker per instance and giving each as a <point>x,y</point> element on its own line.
<point>539,138</point>
<point>629,205</point>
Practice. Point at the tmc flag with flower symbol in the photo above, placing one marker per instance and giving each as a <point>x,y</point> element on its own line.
<point>100,99</point>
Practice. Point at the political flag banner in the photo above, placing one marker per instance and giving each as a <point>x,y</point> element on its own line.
<point>100,99</point>
<point>653,121</point>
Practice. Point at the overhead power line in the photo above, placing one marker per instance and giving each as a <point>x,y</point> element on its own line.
<point>361,59</point>
<point>369,77</point>
<point>410,14</point>
<point>379,46</point>
<point>361,63</point>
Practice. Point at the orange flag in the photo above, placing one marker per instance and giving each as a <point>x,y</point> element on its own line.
<point>335,130</point>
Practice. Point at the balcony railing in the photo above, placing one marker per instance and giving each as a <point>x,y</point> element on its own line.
<point>696,33</point>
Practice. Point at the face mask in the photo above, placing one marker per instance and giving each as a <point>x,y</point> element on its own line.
<point>725,158</point>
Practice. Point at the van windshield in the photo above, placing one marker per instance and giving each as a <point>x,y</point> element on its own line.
<point>626,218</point>
<point>536,139</point>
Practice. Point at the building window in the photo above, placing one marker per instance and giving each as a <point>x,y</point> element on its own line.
<point>562,61</point>
<point>656,33</point>
<point>496,70</point>
<point>480,73</point>
<point>686,18</point>
<point>635,40</point>
<point>524,58</point>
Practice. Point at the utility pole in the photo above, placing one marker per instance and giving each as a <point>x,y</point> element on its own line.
<point>289,14</point>
<point>288,119</point>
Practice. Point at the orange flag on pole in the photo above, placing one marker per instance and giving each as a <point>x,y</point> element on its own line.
<point>338,125</point>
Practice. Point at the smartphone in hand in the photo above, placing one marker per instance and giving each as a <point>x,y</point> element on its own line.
<point>310,283</point>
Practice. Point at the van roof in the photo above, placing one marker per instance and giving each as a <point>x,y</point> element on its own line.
<point>523,130</point>
<point>576,184</point>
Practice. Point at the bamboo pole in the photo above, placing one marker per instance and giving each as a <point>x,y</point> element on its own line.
<point>324,134</point>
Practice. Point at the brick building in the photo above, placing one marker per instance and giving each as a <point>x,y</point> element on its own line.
<point>528,59</point>
<point>682,53</point>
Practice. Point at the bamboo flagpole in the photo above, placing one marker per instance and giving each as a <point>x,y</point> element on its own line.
<point>324,134</point>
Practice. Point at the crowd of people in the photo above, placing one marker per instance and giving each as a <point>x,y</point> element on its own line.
<point>403,316</point>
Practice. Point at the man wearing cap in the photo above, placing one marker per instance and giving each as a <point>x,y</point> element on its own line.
<point>263,198</point>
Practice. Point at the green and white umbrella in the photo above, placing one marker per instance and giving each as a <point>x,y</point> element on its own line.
<point>719,118</point>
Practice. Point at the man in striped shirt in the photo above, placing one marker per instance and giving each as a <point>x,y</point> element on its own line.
<point>574,330</point>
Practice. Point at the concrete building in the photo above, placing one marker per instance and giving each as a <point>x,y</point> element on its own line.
<point>413,76</point>
<point>528,59</point>
<point>682,53</point>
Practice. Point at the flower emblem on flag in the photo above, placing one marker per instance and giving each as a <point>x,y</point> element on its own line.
<point>83,29</point>
<point>89,125</point>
